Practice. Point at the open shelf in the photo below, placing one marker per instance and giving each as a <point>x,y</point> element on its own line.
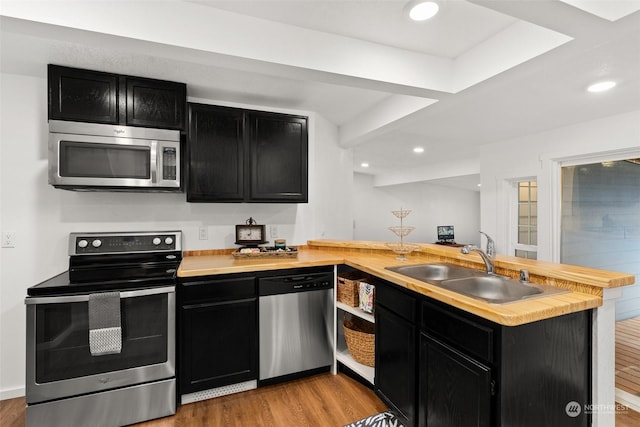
<point>355,311</point>
<point>343,356</point>
<point>342,353</point>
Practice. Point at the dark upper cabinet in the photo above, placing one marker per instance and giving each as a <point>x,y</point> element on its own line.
<point>278,157</point>
<point>82,95</point>
<point>98,97</point>
<point>237,155</point>
<point>215,153</point>
<point>155,103</point>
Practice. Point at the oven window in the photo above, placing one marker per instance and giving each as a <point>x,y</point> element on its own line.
<point>62,338</point>
<point>88,160</point>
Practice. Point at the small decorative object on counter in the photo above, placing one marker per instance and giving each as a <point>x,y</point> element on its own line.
<point>360,338</point>
<point>349,287</point>
<point>366,297</point>
<point>280,243</point>
<point>266,252</point>
<point>250,233</point>
<point>402,248</point>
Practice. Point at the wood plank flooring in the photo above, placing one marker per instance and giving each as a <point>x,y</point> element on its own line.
<point>321,401</point>
<point>628,355</point>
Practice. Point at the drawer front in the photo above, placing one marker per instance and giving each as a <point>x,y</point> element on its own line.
<point>217,290</point>
<point>465,334</point>
<point>397,301</point>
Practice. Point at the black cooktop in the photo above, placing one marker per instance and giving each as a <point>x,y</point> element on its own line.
<point>101,262</point>
<point>60,285</point>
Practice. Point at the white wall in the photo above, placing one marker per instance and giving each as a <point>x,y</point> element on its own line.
<point>540,156</point>
<point>43,216</point>
<point>431,205</point>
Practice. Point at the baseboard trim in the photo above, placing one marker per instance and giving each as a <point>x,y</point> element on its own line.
<point>12,393</point>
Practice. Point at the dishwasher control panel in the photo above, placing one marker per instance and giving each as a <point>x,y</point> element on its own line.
<point>294,283</point>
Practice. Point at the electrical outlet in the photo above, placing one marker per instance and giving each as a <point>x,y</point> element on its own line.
<point>273,230</point>
<point>8,239</point>
<point>203,233</point>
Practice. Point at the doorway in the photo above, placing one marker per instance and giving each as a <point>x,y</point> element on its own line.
<point>600,228</point>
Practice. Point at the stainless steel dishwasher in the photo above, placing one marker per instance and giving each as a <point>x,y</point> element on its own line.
<point>296,323</point>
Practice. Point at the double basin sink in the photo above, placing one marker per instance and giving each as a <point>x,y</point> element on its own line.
<point>491,288</point>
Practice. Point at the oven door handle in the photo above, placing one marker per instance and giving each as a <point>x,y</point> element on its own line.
<point>85,297</point>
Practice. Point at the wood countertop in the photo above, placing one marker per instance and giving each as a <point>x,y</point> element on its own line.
<point>586,284</point>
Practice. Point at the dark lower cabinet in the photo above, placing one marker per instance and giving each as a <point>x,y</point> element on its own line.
<point>455,390</point>
<point>218,333</point>
<point>396,350</point>
<point>545,370</point>
<point>439,366</point>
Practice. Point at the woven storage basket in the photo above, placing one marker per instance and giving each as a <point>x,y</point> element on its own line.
<point>349,288</point>
<point>360,337</point>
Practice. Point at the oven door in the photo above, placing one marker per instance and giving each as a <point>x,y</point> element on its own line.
<point>88,161</point>
<point>59,361</point>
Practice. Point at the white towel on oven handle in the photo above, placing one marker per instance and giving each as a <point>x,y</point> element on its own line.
<point>105,341</point>
<point>105,332</point>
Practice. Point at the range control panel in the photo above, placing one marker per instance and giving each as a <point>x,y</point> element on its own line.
<point>129,242</point>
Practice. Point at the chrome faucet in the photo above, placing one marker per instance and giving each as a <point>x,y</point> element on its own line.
<point>488,261</point>
<point>491,245</point>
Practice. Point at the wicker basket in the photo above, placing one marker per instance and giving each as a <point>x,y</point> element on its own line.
<point>349,288</point>
<point>360,337</point>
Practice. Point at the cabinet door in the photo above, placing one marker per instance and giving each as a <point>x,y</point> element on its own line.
<point>395,365</point>
<point>82,95</point>
<point>155,103</point>
<point>278,158</point>
<point>215,152</point>
<point>455,390</point>
<point>219,344</point>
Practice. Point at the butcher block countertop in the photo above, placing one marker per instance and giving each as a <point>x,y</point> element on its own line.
<point>586,284</point>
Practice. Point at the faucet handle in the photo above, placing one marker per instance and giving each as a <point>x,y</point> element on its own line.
<point>491,245</point>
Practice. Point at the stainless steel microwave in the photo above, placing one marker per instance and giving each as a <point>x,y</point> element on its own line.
<point>99,157</point>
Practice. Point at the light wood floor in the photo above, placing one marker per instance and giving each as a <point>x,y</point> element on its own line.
<point>321,401</point>
<point>628,355</point>
<point>318,401</point>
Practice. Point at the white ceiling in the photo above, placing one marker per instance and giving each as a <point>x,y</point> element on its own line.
<point>478,72</point>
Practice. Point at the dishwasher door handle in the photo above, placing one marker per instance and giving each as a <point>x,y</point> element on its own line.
<point>298,278</point>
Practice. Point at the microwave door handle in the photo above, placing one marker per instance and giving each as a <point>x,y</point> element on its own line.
<point>154,161</point>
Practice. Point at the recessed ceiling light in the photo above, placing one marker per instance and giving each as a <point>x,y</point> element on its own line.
<point>364,164</point>
<point>601,86</point>
<point>418,150</point>
<point>422,10</point>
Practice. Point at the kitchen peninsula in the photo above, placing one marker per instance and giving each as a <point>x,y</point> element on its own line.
<point>590,290</point>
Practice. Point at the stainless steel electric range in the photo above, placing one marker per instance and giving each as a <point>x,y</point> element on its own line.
<point>101,336</point>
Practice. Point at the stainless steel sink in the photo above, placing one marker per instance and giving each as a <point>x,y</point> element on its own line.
<point>491,288</point>
<point>435,272</point>
<point>494,289</point>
